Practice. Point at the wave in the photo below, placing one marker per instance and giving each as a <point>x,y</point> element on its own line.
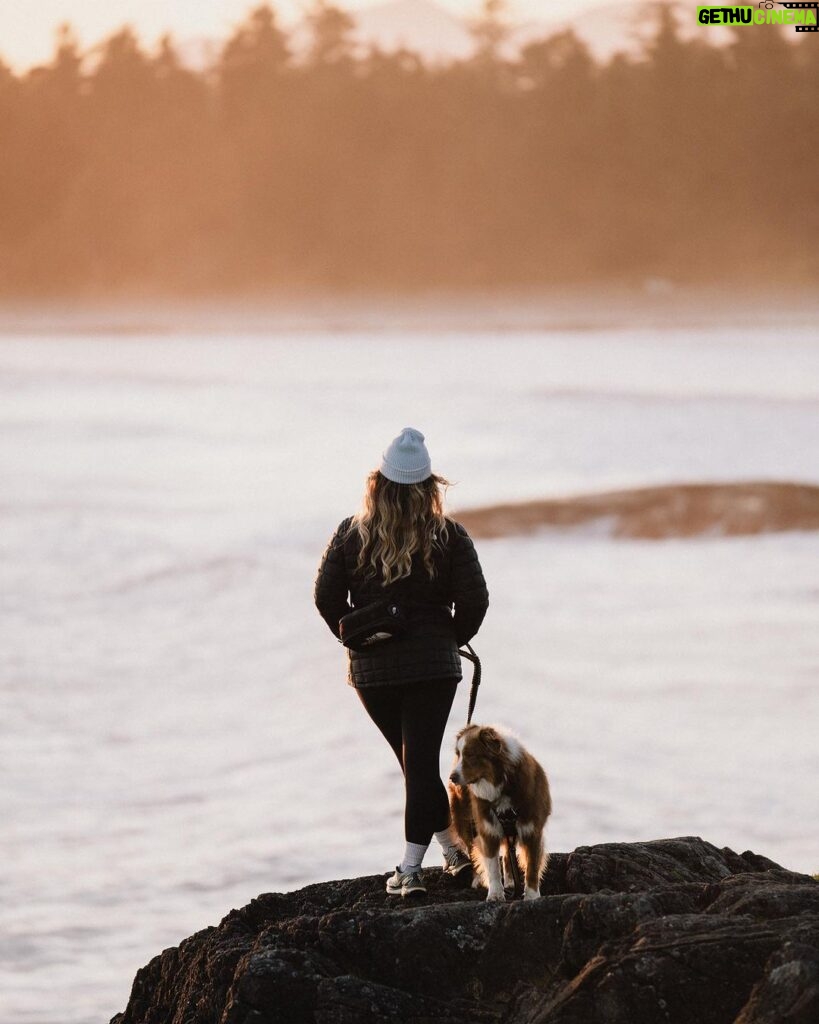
<point>176,571</point>
<point>663,398</point>
<point>668,510</point>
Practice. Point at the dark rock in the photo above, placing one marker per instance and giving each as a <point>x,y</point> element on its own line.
<point>674,931</point>
<point>789,990</point>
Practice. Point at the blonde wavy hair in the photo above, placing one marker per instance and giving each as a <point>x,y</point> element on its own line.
<point>397,520</point>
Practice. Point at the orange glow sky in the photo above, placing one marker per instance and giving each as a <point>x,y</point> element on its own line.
<point>27,28</point>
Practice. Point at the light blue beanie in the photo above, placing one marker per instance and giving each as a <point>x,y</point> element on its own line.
<point>406,461</point>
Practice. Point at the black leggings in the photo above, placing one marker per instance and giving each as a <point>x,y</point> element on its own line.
<point>413,717</point>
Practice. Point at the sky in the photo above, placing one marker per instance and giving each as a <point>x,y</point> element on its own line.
<point>27,28</point>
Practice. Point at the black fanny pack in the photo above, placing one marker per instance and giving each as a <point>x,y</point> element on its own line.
<point>373,624</point>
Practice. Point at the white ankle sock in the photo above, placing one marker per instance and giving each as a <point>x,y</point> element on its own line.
<point>413,856</point>
<point>448,840</point>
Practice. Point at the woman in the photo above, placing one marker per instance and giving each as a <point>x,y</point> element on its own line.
<point>401,544</point>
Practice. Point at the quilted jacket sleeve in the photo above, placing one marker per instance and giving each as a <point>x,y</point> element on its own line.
<point>330,590</point>
<point>468,587</point>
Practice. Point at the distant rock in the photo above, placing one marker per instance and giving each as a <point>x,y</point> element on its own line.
<point>673,931</point>
<point>671,510</point>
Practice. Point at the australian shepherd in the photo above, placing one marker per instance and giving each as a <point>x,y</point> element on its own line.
<point>494,773</point>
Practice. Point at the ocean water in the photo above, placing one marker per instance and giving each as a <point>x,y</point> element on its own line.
<point>176,732</point>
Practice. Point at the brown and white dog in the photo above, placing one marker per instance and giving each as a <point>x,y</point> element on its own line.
<point>492,773</point>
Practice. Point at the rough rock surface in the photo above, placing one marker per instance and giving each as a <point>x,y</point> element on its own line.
<point>673,930</point>
<point>672,510</point>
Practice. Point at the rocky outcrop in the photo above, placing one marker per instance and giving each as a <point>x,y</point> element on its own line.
<point>673,510</point>
<point>674,930</point>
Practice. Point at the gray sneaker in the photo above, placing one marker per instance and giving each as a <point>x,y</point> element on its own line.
<point>456,861</point>
<point>403,883</point>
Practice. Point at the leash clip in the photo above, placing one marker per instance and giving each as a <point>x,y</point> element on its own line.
<point>508,819</point>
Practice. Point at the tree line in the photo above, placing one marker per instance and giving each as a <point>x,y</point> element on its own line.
<point>124,170</point>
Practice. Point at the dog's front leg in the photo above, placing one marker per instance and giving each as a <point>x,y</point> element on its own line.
<point>495,882</point>
<point>490,849</point>
<point>506,869</point>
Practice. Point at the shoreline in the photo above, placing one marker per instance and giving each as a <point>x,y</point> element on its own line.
<point>654,304</point>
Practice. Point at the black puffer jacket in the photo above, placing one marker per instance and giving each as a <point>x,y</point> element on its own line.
<point>430,648</point>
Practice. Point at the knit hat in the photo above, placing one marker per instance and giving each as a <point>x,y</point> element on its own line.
<point>406,461</point>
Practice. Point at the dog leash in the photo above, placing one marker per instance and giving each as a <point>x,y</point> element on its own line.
<point>508,821</point>
<point>476,678</point>
<point>508,817</point>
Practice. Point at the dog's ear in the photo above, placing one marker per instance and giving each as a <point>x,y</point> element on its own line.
<point>490,739</point>
<point>472,728</point>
